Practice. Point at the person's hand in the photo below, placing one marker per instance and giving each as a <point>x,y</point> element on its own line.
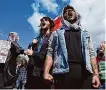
<point>28,52</point>
<point>95,81</point>
<point>25,52</point>
<point>48,78</point>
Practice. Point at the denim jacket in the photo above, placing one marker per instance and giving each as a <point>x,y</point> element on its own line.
<point>57,50</point>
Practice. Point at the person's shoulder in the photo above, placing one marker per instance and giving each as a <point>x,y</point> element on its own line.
<point>54,33</point>
<point>57,31</point>
<point>14,42</point>
<point>85,31</point>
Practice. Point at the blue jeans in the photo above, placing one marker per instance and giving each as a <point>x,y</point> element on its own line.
<point>20,83</point>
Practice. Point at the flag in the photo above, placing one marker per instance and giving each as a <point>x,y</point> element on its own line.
<point>57,22</point>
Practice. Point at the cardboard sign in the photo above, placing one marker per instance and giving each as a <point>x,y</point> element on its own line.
<point>4,48</point>
<point>102,69</point>
<point>102,65</point>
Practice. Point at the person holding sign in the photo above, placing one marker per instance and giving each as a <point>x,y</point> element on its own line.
<point>101,60</point>
<point>8,77</point>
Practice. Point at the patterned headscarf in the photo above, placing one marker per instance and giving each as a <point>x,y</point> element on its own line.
<point>13,36</point>
<point>67,25</point>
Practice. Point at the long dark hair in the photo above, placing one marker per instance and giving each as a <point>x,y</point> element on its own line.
<point>51,24</point>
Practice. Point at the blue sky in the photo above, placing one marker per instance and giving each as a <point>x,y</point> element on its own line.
<point>22,16</point>
<point>14,15</point>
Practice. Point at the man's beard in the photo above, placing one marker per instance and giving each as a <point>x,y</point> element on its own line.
<point>72,21</point>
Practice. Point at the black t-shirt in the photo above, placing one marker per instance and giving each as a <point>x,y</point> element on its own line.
<point>73,45</point>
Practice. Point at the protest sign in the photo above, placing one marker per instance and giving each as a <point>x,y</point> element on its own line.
<point>4,48</point>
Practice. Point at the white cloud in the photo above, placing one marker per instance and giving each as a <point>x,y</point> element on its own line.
<point>34,20</point>
<point>49,5</point>
<point>35,7</point>
<point>93,16</point>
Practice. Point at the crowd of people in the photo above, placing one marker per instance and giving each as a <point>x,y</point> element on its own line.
<point>60,59</point>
